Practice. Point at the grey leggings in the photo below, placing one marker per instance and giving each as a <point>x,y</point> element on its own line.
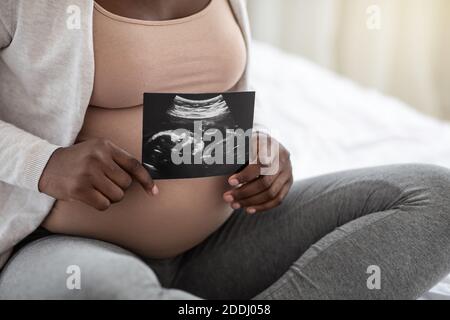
<point>319,244</point>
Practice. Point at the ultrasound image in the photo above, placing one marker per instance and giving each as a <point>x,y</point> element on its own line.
<point>196,135</point>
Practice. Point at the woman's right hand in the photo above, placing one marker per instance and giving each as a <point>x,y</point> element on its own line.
<point>95,172</point>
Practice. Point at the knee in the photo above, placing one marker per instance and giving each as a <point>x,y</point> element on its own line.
<point>105,271</point>
<point>424,185</point>
<point>127,278</point>
<point>428,177</point>
<point>116,274</point>
<point>123,277</point>
<point>76,268</point>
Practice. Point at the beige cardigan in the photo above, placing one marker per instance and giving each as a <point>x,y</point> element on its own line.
<point>46,80</point>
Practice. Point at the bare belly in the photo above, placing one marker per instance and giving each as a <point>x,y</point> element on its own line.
<point>182,215</point>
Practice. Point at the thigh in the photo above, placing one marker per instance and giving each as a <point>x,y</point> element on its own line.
<point>63,267</point>
<point>250,252</point>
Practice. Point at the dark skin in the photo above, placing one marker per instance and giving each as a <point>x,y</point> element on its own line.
<point>256,191</point>
<point>97,172</point>
<point>154,10</point>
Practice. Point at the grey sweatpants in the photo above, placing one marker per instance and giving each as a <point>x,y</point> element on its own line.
<point>380,233</point>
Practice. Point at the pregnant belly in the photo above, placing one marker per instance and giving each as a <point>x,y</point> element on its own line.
<point>182,215</point>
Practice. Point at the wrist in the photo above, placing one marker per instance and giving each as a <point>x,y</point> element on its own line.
<point>44,178</point>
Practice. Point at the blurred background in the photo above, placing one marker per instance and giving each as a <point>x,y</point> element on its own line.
<point>399,47</point>
<point>387,48</point>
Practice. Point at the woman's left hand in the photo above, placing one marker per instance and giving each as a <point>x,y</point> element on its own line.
<point>256,192</point>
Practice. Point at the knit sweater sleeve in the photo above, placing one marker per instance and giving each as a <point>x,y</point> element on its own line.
<point>5,23</point>
<point>23,156</point>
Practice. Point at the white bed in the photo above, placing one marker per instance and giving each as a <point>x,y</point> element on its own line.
<point>330,123</point>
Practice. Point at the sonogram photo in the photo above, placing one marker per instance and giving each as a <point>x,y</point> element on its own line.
<point>196,135</point>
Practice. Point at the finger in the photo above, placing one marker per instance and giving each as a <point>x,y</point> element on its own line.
<point>118,176</point>
<point>250,173</point>
<point>108,188</point>
<point>250,189</point>
<point>272,203</point>
<point>267,195</point>
<point>95,199</point>
<point>135,169</point>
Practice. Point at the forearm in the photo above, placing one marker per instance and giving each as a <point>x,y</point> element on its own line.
<point>23,156</point>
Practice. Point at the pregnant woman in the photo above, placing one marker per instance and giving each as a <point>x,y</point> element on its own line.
<point>76,201</point>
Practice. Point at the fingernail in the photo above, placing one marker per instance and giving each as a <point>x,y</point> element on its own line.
<point>234,182</point>
<point>251,210</point>
<point>235,206</point>
<point>155,190</point>
<point>229,198</point>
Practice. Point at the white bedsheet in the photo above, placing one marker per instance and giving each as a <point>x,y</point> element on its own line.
<point>330,123</point>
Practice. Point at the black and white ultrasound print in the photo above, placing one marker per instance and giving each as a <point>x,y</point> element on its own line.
<point>196,135</point>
